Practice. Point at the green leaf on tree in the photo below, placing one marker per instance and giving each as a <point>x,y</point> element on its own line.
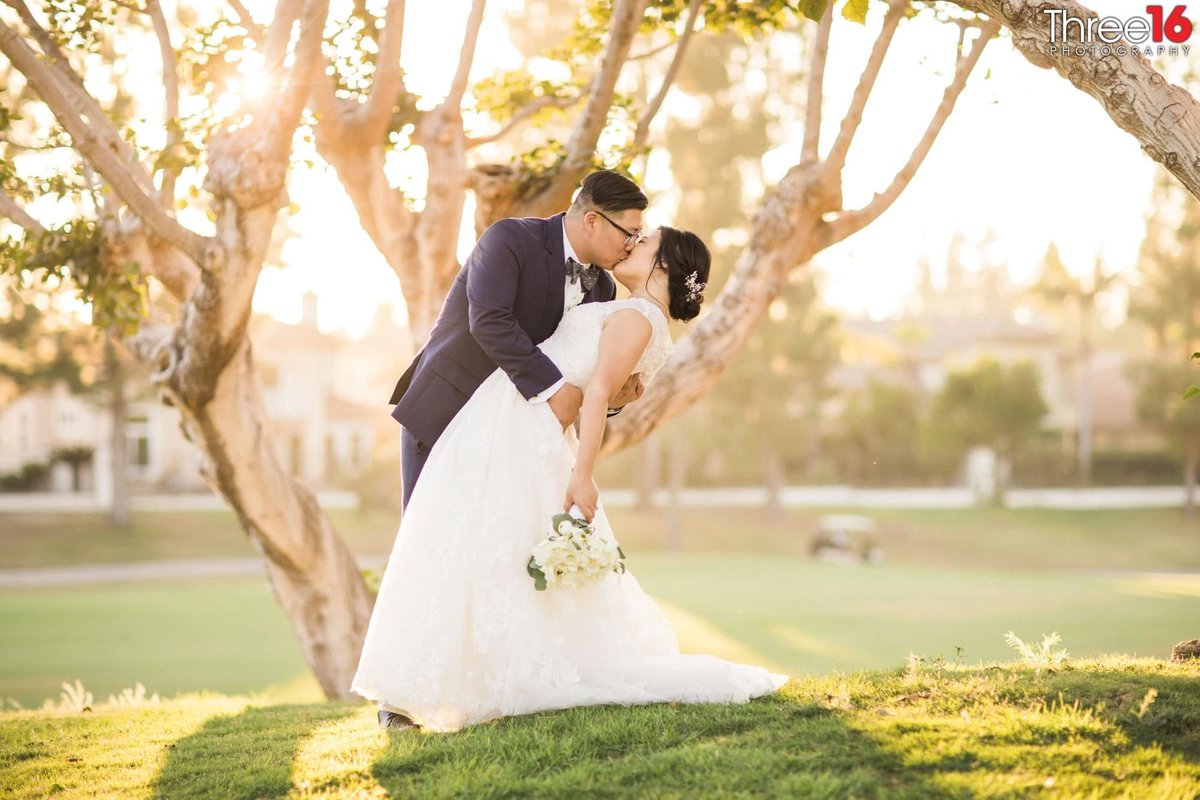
<point>855,11</point>
<point>813,9</point>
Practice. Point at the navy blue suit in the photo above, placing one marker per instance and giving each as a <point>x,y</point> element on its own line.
<point>507,298</point>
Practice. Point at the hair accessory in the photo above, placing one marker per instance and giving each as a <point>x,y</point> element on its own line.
<point>694,286</point>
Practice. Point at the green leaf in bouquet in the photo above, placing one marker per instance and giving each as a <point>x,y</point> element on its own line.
<point>620,552</point>
<point>576,545</point>
<point>539,577</point>
<point>558,519</point>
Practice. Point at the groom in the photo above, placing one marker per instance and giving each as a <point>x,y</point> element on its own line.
<point>509,296</point>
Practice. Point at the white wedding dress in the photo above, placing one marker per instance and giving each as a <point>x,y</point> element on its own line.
<point>459,636</point>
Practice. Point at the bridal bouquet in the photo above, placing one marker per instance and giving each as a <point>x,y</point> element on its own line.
<point>573,553</point>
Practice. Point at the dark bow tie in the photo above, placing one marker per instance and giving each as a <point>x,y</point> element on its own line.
<point>588,274</point>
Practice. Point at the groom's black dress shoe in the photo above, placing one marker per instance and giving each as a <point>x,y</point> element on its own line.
<point>390,719</point>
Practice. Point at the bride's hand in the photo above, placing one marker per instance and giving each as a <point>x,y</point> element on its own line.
<point>582,492</point>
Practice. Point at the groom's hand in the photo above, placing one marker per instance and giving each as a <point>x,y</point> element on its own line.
<point>565,403</point>
<point>631,390</point>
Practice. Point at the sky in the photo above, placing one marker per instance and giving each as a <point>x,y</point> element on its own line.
<point>1024,155</point>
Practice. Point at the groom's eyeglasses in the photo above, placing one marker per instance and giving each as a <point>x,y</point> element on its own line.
<point>631,239</point>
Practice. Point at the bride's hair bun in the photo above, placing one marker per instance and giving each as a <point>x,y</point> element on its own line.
<point>687,260</point>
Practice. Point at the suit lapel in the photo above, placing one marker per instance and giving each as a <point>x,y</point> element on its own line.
<point>556,274</point>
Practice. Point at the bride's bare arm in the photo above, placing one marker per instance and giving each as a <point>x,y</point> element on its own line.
<point>625,336</point>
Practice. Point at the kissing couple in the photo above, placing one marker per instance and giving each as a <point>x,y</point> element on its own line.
<point>529,338</point>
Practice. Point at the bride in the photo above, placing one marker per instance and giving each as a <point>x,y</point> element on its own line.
<point>458,635</point>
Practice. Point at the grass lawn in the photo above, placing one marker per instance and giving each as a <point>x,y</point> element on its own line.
<point>1107,728</point>
<point>1026,539</point>
<point>795,615</point>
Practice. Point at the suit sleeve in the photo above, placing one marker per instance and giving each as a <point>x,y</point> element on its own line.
<point>491,293</point>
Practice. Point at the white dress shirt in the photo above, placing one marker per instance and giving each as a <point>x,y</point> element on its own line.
<point>572,296</point>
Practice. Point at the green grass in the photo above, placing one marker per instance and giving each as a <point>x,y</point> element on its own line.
<point>226,635</point>
<point>1112,727</point>
<point>1029,539</point>
<point>798,616</point>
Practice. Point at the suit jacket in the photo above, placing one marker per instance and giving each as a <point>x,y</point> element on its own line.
<point>507,298</point>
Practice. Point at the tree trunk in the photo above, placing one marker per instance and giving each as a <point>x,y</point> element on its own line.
<point>773,480</point>
<point>1191,459</point>
<point>312,573</point>
<point>205,367</point>
<point>676,467</point>
<point>648,472</point>
<point>119,516</point>
<point>1085,393</point>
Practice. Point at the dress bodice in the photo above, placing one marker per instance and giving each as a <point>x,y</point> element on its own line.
<point>574,347</point>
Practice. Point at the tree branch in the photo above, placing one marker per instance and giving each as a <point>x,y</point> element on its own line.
<point>10,209</point>
<point>80,100</point>
<point>525,113</point>
<point>279,35</point>
<point>104,207</point>
<point>836,160</point>
<point>1162,117</point>
<point>334,115</point>
<point>852,221</point>
<point>643,128</point>
<point>653,51</point>
<point>377,111</point>
<point>816,88</point>
<point>458,87</point>
<point>98,144</point>
<point>170,69</point>
<point>626,17</point>
<point>282,124</point>
<point>255,30</point>
<point>307,61</point>
<point>581,144</point>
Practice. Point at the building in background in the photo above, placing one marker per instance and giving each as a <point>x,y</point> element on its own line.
<point>325,395</point>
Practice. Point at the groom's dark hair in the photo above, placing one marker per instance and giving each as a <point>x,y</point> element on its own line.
<point>609,191</point>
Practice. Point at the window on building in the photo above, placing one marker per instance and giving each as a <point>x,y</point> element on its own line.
<point>139,455</point>
<point>137,440</point>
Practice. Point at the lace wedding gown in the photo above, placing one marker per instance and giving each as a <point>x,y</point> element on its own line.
<point>459,636</point>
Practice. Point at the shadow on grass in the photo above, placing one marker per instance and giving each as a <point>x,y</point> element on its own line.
<point>774,746</point>
<point>247,755</point>
<point>1169,718</point>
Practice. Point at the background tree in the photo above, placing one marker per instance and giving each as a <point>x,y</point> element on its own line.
<point>41,345</point>
<point>1161,403</point>
<point>1057,288</point>
<point>1166,301</point>
<point>189,200</point>
<point>877,434</point>
<point>991,405</point>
